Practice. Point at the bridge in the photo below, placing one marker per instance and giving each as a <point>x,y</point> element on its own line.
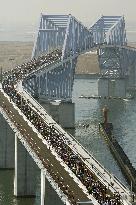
<point>66,167</point>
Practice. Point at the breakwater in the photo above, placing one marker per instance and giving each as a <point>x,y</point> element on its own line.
<point>126,166</point>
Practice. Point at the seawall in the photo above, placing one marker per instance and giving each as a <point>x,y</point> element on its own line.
<point>127,169</point>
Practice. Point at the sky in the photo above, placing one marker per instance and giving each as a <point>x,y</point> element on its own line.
<point>15,13</point>
<point>27,11</point>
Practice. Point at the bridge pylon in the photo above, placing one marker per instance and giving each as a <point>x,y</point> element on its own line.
<point>71,37</point>
<point>109,30</point>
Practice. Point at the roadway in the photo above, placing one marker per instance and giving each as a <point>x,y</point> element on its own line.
<point>44,154</point>
<point>76,191</point>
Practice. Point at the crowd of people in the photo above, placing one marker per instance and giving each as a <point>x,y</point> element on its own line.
<point>54,137</point>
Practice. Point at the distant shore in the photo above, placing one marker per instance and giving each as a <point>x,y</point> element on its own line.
<point>16,53</point>
<point>87,76</point>
<point>13,53</point>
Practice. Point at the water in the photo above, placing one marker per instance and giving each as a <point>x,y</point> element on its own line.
<point>88,111</point>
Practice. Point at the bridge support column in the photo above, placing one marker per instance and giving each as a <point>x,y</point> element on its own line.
<point>59,111</point>
<point>132,76</point>
<point>112,87</point>
<point>48,194</point>
<point>7,145</point>
<point>26,171</point>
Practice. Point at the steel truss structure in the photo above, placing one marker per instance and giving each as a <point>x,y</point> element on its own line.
<point>109,30</point>
<point>66,33</point>
<point>117,61</point>
<point>53,82</point>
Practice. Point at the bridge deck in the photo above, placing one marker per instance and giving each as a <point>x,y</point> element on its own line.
<point>43,153</point>
<point>76,185</point>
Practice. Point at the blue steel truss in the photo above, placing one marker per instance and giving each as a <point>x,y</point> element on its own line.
<point>53,82</point>
<point>109,30</point>
<point>66,33</point>
<point>117,61</point>
<point>50,34</point>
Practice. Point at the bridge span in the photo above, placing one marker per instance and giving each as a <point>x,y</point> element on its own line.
<point>73,173</point>
<point>50,146</point>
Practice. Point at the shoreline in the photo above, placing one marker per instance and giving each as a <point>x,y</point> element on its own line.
<point>119,154</point>
<point>14,53</point>
<point>87,76</point>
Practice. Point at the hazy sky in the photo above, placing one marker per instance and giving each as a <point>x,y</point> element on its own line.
<point>88,11</point>
<point>19,18</point>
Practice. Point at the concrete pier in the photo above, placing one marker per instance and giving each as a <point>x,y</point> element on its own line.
<point>132,76</point>
<point>112,87</point>
<point>48,194</point>
<point>26,172</point>
<point>7,145</point>
<point>62,112</point>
